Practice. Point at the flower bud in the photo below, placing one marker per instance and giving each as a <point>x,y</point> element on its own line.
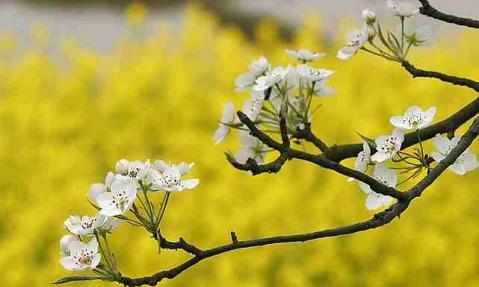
<point>121,166</point>
<point>368,16</point>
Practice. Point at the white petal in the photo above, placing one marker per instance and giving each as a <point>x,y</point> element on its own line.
<point>69,264</point>
<point>96,260</point>
<point>442,144</point>
<point>346,53</point>
<point>65,241</point>
<point>381,156</point>
<point>245,80</point>
<point>397,121</point>
<point>458,169</point>
<point>93,245</point>
<point>430,113</point>
<point>96,189</point>
<point>190,183</point>
<point>437,156</point>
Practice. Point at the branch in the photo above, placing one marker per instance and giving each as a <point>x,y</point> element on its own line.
<point>418,73</point>
<point>307,135</point>
<point>180,244</point>
<point>319,160</point>
<point>338,153</point>
<point>432,12</point>
<point>466,140</point>
<point>378,220</point>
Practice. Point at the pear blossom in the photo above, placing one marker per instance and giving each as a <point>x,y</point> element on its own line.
<point>387,177</point>
<point>252,148</point>
<point>252,107</point>
<point>414,118</point>
<point>466,162</point>
<point>354,41</point>
<point>85,225</point>
<point>119,197</point>
<point>256,69</point>
<point>402,9</point>
<point>271,78</point>
<point>228,118</point>
<point>388,146</point>
<point>304,55</point>
<point>363,159</point>
<point>312,74</point>
<point>170,180</point>
<point>81,256</point>
<point>368,16</point>
<point>65,241</point>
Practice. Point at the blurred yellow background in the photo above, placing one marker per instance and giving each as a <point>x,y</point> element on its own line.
<point>62,127</point>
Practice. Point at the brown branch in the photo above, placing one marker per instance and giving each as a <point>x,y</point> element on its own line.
<point>458,81</point>
<point>378,220</point>
<point>307,134</point>
<point>432,12</point>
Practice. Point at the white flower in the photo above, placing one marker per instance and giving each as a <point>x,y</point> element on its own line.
<point>354,41</point>
<point>228,118</point>
<point>84,225</point>
<point>363,159</point>
<point>252,148</point>
<point>135,168</point>
<point>256,69</point>
<point>388,146</point>
<point>271,78</point>
<point>121,166</point>
<point>466,162</point>
<point>414,118</point>
<point>387,177</point>
<point>81,256</point>
<point>304,55</point>
<point>65,241</point>
<point>170,180</point>
<point>119,197</point>
<point>252,107</point>
<point>311,74</point>
<point>402,9</point>
<point>368,16</point>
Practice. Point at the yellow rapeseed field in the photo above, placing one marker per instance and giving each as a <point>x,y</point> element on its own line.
<point>63,125</point>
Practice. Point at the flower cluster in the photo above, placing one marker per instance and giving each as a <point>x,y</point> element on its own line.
<point>388,148</point>
<point>284,91</point>
<point>126,195</point>
<point>395,45</point>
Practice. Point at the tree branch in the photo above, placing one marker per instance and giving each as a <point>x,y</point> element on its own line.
<point>432,12</point>
<point>307,135</point>
<point>338,153</point>
<point>378,220</point>
<point>319,160</point>
<point>458,81</point>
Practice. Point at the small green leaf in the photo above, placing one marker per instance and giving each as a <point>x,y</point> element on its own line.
<point>370,142</point>
<point>68,279</point>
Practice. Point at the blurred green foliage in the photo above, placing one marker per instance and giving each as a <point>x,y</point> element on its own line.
<point>62,127</point>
